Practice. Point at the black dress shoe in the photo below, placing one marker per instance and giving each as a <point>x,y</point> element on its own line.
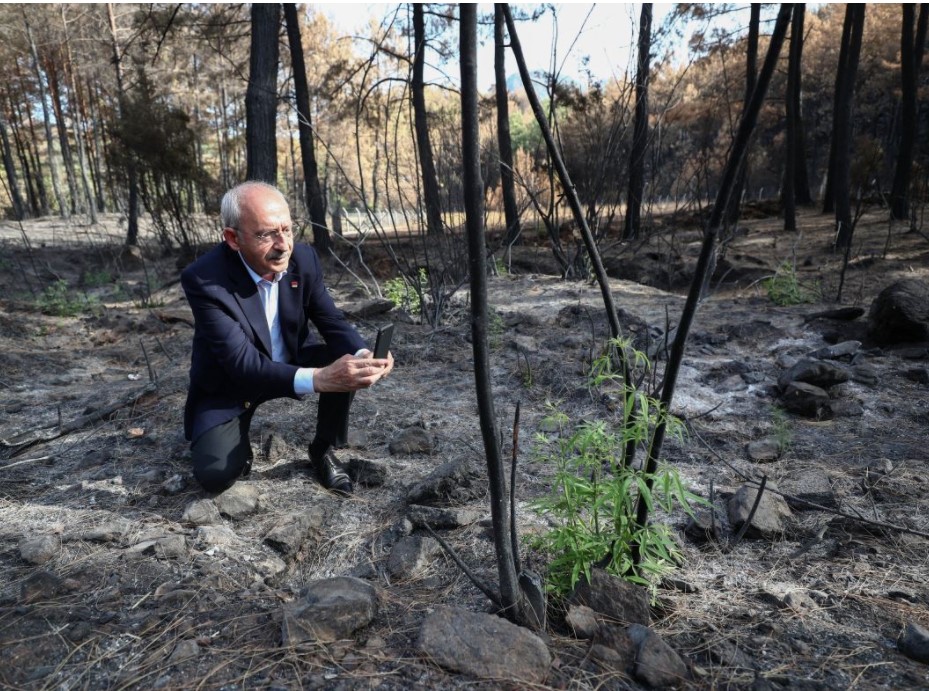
<point>330,473</point>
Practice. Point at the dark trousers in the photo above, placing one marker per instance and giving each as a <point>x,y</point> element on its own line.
<point>223,454</point>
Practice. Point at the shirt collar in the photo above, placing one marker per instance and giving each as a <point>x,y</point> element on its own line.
<point>255,277</point>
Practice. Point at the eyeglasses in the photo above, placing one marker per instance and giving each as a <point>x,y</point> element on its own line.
<point>271,236</point>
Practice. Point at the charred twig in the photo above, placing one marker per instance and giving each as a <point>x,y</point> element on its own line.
<point>751,514</point>
<point>152,377</point>
<point>24,440</point>
<point>483,587</point>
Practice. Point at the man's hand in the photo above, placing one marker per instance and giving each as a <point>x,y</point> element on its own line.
<point>350,373</point>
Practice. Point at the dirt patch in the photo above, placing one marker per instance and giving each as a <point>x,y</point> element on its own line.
<point>132,595</point>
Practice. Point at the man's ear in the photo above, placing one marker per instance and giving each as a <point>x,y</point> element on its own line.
<point>231,238</point>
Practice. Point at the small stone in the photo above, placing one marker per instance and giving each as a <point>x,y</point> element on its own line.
<point>919,375</point>
<point>483,646</point>
<point>174,484</point>
<point>412,440</point>
<point>164,547</point>
<point>39,549</point>
<point>866,374</point>
<point>620,601</point>
<point>810,486</point>
<point>410,556</point>
<point>151,475</point>
<point>806,399</point>
<point>764,450</point>
<point>914,642</point>
<point>702,528</point>
<point>183,651</point>
<point>78,631</point>
<point>656,663</point>
<point>295,529</point>
<point>201,512</point>
<point>840,351</point>
<point>367,473</point>
<point>329,610</point>
<point>846,408</point>
<point>815,372</point>
<point>582,620</point>
<point>799,601</point>
<point>239,501</point>
<point>439,518</point>
<point>108,531</point>
<point>275,448</point>
<point>769,518</point>
<point>613,647</point>
<point>215,535</point>
<point>454,482</point>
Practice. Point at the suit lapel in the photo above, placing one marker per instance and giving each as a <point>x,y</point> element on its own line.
<point>290,307</point>
<point>246,294</point>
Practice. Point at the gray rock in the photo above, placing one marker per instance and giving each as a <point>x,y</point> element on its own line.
<point>329,610</point>
<point>108,531</point>
<point>702,528</point>
<point>215,536</point>
<point>800,602</point>
<point>442,517</point>
<point>412,440</point>
<point>366,473</point>
<point>183,651</point>
<point>900,313</point>
<point>239,501</point>
<point>483,646</point>
<point>454,482</point>
<point>618,600</point>
<point>846,408</point>
<point>764,450</point>
<point>815,372</point>
<point>840,351</point>
<point>410,556</point>
<point>295,529</point>
<point>920,375</point>
<point>174,484</point>
<point>866,374</point>
<point>201,512</point>
<point>807,400</point>
<point>656,663</point>
<point>769,519</point>
<point>810,485</point>
<point>39,549</point>
<point>613,648</point>
<point>164,547</point>
<point>914,642</point>
<point>582,620</point>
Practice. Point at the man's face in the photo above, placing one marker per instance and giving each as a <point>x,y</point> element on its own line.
<point>264,236</point>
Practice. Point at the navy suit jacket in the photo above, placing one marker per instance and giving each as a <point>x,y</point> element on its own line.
<point>231,368</point>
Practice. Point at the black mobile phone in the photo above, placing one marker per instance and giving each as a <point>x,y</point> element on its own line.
<point>382,345</point>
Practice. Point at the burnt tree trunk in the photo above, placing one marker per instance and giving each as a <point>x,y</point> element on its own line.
<point>11,178</point>
<point>504,141</point>
<point>314,193</point>
<point>751,69</point>
<point>421,126</point>
<point>788,190</point>
<point>640,127</point>
<point>911,58</point>
<point>132,230</point>
<point>842,129</point>
<point>261,95</point>
<point>736,155</point>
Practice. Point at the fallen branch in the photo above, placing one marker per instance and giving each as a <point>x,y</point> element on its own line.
<point>24,440</point>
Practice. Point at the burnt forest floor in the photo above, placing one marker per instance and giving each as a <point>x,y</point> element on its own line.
<point>127,581</point>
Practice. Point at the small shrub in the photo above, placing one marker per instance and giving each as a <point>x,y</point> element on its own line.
<point>59,300</point>
<point>784,289</point>
<point>97,278</point>
<point>594,494</point>
<point>406,294</point>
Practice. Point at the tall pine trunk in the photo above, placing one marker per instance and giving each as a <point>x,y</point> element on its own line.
<point>421,126</point>
<point>504,141</point>
<point>132,230</point>
<point>842,128</point>
<point>314,193</point>
<point>261,95</point>
<point>751,69</point>
<point>11,178</point>
<point>640,127</point>
<point>911,58</point>
<point>788,191</point>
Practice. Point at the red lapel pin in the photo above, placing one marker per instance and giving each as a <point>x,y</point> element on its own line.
<point>294,284</point>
